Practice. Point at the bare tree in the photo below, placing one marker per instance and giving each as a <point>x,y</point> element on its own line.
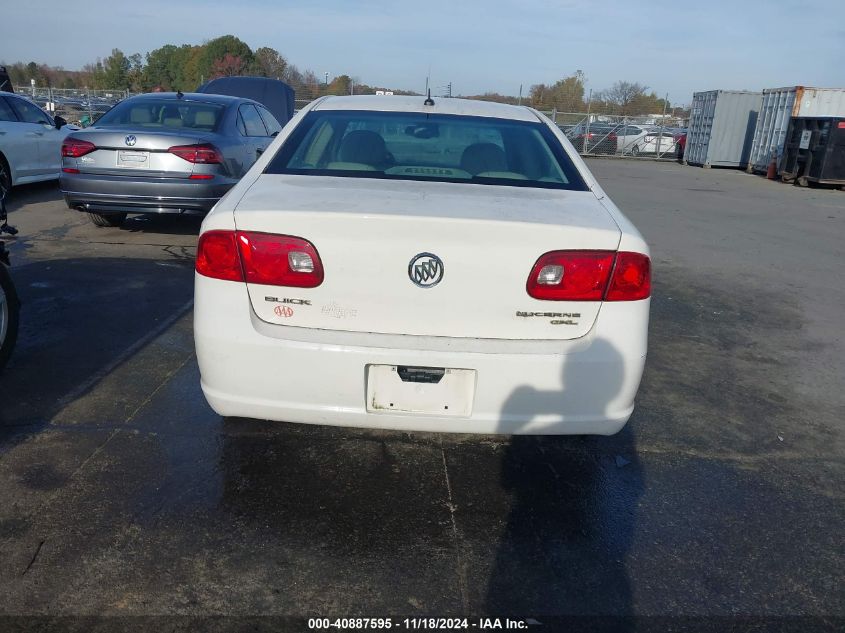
<point>623,94</point>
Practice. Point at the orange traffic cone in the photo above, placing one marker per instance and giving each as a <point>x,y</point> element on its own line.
<point>772,171</point>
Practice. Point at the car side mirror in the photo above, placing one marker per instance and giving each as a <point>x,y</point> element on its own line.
<point>275,134</point>
<point>60,122</point>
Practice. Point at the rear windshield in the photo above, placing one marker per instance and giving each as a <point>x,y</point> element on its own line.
<point>419,146</point>
<point>163,113</point>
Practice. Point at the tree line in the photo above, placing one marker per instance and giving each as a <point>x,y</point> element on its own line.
<point>185,67</point>
<point>624,98</point>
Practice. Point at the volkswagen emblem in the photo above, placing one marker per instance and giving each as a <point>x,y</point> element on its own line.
<point>131,140</point>
<point>426,270</point>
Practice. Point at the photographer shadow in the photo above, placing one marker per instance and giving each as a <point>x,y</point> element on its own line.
<point>573,510</point>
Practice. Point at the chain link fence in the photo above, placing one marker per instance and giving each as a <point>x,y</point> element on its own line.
<point>598,130</point>
<point>595,132</point>
<point>78,106</point>
<point>622,136</point>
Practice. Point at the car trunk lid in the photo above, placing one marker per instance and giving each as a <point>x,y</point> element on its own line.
<point>128,152</point>
<point>368,233</point>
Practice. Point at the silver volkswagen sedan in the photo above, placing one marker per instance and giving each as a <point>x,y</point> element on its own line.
<point>163,153</point>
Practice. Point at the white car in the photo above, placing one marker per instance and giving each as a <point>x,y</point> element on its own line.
<point>659,142</point>
<point>393,262</point>
<point>30,142</point>
<point>630,138</point>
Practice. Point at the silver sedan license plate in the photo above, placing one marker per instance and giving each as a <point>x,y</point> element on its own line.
<point>431,390</point>
<point>132,159</point>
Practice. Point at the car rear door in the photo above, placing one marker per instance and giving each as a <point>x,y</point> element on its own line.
<point>256,137</point>
<point>270,122</point>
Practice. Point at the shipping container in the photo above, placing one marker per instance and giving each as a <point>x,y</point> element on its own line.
<point>779,106</point>
<point>721,127</point>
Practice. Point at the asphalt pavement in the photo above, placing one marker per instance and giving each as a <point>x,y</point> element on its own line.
<point>719,505</point>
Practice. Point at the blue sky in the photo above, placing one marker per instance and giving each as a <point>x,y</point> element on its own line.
<point>673,47</point>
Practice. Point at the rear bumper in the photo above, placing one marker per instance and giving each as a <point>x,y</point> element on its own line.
<point>257,370</point>
<point>94,192</point>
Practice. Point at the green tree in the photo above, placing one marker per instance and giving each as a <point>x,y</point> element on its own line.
<point>159,68</point>
<point>94,75</point>
<point>34,72</point>
<point>116,69</point>
<point>340,85</point>
<point>135,74</point>
<point>270,63</point>
<point>565,95</point>
<point>218,48</point>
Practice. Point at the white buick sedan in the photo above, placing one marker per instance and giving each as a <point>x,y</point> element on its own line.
<point>402,263</point>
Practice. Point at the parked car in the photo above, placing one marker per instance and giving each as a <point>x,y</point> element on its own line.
<point>30,142</point>
<point>630,138</point>
<point>163,153</point>
<point>595,138</point>
<point>657,142</point>
<point>680,144</point>
<point>412,264</point>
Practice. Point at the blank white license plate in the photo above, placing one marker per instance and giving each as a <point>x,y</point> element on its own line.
<point>428,390</point>
<point>132,159</point>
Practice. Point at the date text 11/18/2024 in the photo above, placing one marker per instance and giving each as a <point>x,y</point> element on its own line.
<point>429,624</point>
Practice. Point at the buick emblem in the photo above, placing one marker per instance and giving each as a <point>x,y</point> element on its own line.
<point>131,140</point>
<point>426,270</point>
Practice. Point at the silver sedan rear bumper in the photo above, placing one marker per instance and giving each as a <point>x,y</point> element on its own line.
<point>102,193</point>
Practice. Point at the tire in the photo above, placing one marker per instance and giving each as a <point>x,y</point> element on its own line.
<point>9,316</point>
<point>107,219</point>
<point>635,151</point>
<point>5,176</point>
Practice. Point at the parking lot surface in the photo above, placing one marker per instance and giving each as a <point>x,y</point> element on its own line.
<point>123,494</point>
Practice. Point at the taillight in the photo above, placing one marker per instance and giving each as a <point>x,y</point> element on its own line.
<point>74,148</point>
<point>631,278</point>
<point>217,256</point>
<point>259,258</point>
<point>204,154</point>
<point>590,276</point>
<point>279,260</point>
<point>571,276</point>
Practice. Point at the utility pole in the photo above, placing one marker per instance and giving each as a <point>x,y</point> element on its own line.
<point>327,80</point>
<point>449,89</point>
<point>519,101</point>
<point>587,129</point>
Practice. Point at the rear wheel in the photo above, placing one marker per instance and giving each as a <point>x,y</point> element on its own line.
<point>5,177</point>
<point>107,219</point>
<point>635,151</point>
<point>9,316</point>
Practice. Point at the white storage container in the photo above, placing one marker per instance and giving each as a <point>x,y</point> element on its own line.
<point>721,127</point>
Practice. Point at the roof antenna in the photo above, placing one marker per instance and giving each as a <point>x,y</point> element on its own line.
<point>429,100</point>
<point>179,94</point>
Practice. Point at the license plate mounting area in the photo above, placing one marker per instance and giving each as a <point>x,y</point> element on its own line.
<point>441,391</point>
